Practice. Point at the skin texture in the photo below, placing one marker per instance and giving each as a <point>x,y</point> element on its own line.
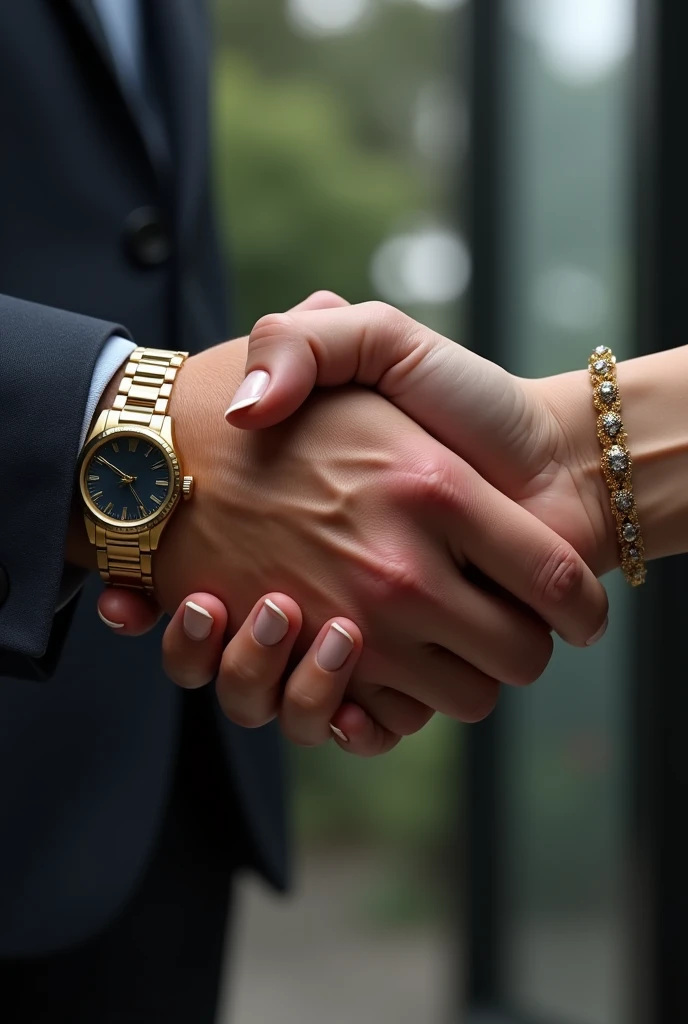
<point>397,466</point>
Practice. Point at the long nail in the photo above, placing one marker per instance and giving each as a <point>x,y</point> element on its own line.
<point>339,734</point>
<point>335,648</point>
<point>197,621</point>
<point>599,634</point>
<point>112,625</point>
<point>250,391</point>
<point>271,624</point>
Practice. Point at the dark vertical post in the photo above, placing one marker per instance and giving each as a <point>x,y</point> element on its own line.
<point>484,767</point>
<point>659,754</point>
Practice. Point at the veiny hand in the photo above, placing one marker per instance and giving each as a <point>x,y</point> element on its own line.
<point>352,508</point>
<point>529,562</point>
<point>534,440</point>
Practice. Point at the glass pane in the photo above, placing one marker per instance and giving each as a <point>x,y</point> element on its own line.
<point>340,136</point>
<point>568,253</point>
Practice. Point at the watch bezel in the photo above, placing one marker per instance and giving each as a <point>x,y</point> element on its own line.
<point>140,525</point>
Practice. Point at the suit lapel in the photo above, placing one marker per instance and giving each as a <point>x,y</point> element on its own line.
<point>90,22</point>
<point>91,26</point>
<point>177,30</point>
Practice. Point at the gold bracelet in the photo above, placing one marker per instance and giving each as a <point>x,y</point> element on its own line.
<point>616,463</point>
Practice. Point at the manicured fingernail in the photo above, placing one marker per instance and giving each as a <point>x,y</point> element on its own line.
<point>339,734</point>
<point>112,625</point>
<point>271,624</point>
<point>335,648</point>
<point>197,621</point>
<point>599,634</point>
<point>250,391</point>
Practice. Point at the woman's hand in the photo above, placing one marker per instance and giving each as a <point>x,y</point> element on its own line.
<point>256,680</point>
<point>534,440</point>
<point>496,421</point>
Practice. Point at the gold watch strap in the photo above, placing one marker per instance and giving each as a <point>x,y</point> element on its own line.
<point>142,400</point>
<point>145,389</point>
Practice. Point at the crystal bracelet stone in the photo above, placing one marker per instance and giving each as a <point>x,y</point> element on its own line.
<point>616,463</point>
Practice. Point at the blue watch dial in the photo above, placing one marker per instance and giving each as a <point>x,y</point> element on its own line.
<point>128,478</point>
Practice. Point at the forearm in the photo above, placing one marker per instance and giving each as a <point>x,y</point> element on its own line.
<point>654,393</point>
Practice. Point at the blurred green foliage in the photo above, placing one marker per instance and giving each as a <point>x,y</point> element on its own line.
<point>304,204</point>
<point>315,159</point>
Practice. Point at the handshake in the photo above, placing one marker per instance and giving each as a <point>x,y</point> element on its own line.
<point>400,545</point>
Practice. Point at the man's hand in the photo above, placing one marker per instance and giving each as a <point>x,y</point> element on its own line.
<point>343,511</point>
<point>352,508</point>
<point>535,440</point>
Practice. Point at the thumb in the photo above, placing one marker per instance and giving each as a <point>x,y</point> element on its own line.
<point>471,405</point>
<point>320,300</point>
<point>127,612</point>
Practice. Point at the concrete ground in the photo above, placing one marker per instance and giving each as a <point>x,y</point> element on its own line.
<point>317,959</point>
<point>312,959</point>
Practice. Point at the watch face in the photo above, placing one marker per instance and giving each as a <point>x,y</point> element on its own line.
<point>128,478</point>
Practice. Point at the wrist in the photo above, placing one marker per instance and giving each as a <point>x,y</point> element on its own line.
<point>654,408</point>
<point>79,551</point>
<point>206,446</point>
<point>568,401</point>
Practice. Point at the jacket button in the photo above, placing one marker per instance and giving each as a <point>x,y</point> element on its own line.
<point>146,237</point>
<point>4,586</point>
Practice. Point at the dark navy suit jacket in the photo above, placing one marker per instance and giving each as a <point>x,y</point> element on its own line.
<point>96,235</point>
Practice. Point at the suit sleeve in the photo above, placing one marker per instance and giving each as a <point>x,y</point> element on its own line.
<point>47,360</point>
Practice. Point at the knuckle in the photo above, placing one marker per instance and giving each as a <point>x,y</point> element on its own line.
<point>527,669</point>
<point>411,720</point>
<point>242,675</point>
<point>310,702</point>
<point>432,481</point>
<point>244,717</point>
<point>188,677</point>
<point>383,313</point>
<point>482,703</point>
<point>388,578</point>
<point>270,326</point>
<point>326,298</point>
<point>558,576</point>
<point>249,714</point>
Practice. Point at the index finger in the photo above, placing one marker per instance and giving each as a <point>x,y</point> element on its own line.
<point>529,560</point>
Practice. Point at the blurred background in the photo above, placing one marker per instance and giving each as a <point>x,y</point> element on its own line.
<point>344,133</point>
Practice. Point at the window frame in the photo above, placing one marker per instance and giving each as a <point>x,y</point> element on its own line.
<point>656,855</point>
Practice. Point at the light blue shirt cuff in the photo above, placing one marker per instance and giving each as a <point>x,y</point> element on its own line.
<point>115,351</point>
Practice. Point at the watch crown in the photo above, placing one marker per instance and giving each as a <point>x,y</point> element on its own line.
<point>187,487</point>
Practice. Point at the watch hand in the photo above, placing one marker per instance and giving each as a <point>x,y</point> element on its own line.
<point>99,458</point>
<point>136,497</point>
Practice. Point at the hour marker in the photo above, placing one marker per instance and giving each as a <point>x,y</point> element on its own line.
<point>98,494</point>
<point>108,508</point>
<point>158,501</point>
<point>115,446</point>
<point>162,483</point>
<point>93,477</point>
<point>159,465</point>
<point>124,513</point>
<point>148,450</point>
<point>133,444</point>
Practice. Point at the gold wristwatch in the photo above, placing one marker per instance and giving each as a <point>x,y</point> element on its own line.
<point>129,473</point>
